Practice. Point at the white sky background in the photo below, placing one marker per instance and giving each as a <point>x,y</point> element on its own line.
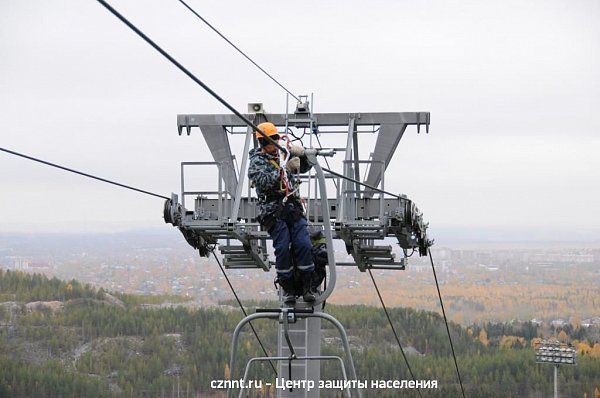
<point>513,88</point>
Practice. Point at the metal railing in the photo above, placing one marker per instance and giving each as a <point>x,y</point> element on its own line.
<point>220,193</point>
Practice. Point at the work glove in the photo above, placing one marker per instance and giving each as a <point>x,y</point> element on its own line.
<point>293,165</point>
<point>296,150</point>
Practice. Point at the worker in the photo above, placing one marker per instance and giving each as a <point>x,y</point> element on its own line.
<point>281,213</point>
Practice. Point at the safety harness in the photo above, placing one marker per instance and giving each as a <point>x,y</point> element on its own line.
<point>284,185</point>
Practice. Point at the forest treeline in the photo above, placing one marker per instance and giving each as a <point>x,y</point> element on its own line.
<point>85,342</point>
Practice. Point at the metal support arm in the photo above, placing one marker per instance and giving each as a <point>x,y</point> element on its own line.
<point>311,155</point>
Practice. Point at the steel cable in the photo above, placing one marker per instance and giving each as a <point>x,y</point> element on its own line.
<point>243,310</point>
<point>238,50</point>
<point>361,183</point>
<point>152,194</point>
<point>393,329</point>
<point>215,95</point>
<point>82,173</point>
<point>188,73</point>
<point>437,285</point>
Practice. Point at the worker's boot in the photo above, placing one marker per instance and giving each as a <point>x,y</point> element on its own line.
<point>288,298</point>
<point>287,291</point>
<point>308,292</point>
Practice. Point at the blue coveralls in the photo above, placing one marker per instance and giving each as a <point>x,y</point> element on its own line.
<point>283,233</point>
<point>285,222</point>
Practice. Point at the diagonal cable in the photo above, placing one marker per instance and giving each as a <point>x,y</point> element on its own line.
<point>437,285</point>
<point>393,329</point>
<point>216,96</point>
<point>243,310</point>
<point>361,183</point>
<point>82,173</point>
<point>219,98</point>
<point>238,49</point>
<point>189,74</point>
<point>152,194</point>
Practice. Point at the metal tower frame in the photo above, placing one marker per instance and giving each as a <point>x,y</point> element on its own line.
<point>358,214</point>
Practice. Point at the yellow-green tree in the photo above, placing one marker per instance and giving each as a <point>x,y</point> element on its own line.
<point>583,348</point>
<point>483,337</point>
<point>563,337</point>
<point>226,372</point>
<point>595,351</point>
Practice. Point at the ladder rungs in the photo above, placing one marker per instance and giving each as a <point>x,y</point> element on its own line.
<point>231,248</point>
<point>377,255</point>
<point>241,264</point>
<point>380,261</point>
<point>258,234</point>
<point>238,256</point>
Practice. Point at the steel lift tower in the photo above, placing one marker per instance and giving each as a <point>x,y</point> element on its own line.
<point>357,211</point>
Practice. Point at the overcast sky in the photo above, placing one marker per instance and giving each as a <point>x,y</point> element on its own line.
<point>513,88</point>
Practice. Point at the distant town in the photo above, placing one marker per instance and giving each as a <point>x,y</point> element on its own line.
<point>538,282</point>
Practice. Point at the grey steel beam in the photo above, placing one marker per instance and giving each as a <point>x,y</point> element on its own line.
<point>348,172</point>
<point>218,143</point>
<point>238,192</point>
<point>187,121</point>
<point>356,159</point>
<point>387,141</point>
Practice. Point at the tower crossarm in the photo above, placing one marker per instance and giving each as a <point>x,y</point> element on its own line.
<point>361,211</point>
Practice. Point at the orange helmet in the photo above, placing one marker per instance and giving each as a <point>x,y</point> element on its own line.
<point>269,129</point>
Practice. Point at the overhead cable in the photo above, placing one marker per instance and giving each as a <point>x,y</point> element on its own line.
<point>437,285</point>
<point>393,329</point>
<point>361,183</point>
<point>83,174</point>
<point>217,97</point>
<point>243,310</point>
<point>238,49</point>
<point>190,74</point>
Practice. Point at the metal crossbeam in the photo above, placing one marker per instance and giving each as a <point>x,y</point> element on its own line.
<point>187,121</point>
